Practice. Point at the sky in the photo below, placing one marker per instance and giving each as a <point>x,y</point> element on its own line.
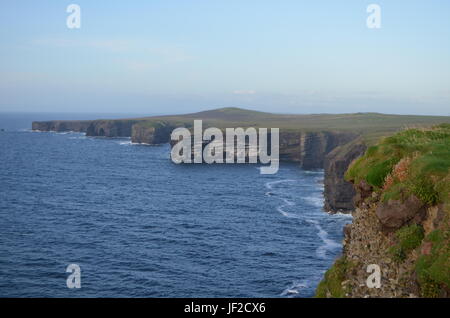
<point>180,56</point>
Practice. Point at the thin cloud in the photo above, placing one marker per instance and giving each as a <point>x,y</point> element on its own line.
<point>110,45</point>
<point>244,92</point>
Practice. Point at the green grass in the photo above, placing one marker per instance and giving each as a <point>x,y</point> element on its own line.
<point>428,152</point>
<point>414,162</point>
<point>371,125</point>
<point>332,282</point>
<point>409,238</point>
<point>433,271</point>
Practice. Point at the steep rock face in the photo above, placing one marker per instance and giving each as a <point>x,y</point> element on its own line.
<point>310,148</point>
<point>110,128</point>
<point>61,125</point>
<point>395,213</point>
<point>398,244</point>
<point>338,192</point>
<point>397,253</point>
<point>152,135</point>
<point>291,146</point>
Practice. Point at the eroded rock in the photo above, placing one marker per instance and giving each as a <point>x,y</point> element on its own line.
<point>394,213</point>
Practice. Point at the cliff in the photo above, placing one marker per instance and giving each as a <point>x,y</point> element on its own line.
<point>337,191</point>
<point>309,149</point>
<point>401,222</point>
<point>61,125</point>
<point>314,141</point>
<point>110,128</point>
<point>152,133</point>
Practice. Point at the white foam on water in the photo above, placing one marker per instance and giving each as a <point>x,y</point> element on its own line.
<point>269,185</point>
<point>315,201</point>
<point>313,172</point>
<point>328,244</point>
<point>340,215</point>
<point>288,214</point>
<point>78,137</point>
<point>140,144</point>
<point>295,288</point>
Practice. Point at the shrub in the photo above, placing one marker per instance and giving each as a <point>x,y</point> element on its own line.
<point>433,271</point>
<point>409,238</point>
<point>377,173</point>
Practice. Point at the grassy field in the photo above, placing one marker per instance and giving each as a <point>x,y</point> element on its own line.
<point>370,125</point>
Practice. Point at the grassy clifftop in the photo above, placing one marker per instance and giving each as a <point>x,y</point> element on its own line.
<point>415,161</point>
<point>402,222</point>
<point>373,125</point>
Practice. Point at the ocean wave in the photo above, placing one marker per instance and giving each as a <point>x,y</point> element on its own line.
<point>269,185</point>
<point>288,214</point>
<point>314,201</point>
<point>295,288</point>
<point>314,172</point>
<point>328,244</point>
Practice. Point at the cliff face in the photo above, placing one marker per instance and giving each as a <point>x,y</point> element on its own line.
<point>93,128</point>
<point>338,192</point>
<point>401,223</point>
<point>332,151</point>
<point>110,128</point>
<point>413,259</point>
<point>152,135</point>
<point>61,125</point>
<point>398,253</point>
<point>311,148</point>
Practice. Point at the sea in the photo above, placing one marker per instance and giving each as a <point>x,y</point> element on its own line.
<point>138,225</point>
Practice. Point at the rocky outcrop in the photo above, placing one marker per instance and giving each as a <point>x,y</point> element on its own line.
<point>315,147</point>
<point>398,244</point>
<point>152,134</point>
<point>338,192</point>
<point>110,128</point>
<point>393,214</point>
<point>364,244</point>
<point>93,128</point>
<point>397,253</point>
<point>61,125</point>
<point>310,148</point>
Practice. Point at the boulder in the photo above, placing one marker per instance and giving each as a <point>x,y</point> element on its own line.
<point>395,213</point>
<point>363,191</point>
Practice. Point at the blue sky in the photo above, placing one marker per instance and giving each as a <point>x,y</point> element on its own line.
<point>174,56</point>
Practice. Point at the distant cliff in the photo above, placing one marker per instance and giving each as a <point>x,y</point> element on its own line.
<point>402,219</point>
<point>61,125</point>
<point>153,133</point>
<point>110,128</point>
<point>321,141</point>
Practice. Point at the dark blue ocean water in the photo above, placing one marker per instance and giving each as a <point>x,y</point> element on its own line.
<point>139,225</point>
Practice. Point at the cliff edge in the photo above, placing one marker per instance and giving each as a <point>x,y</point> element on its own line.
<point>401,222</point>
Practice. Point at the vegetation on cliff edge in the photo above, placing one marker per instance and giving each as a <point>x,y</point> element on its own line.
<point>332,284</point>
<point>414,161</point>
